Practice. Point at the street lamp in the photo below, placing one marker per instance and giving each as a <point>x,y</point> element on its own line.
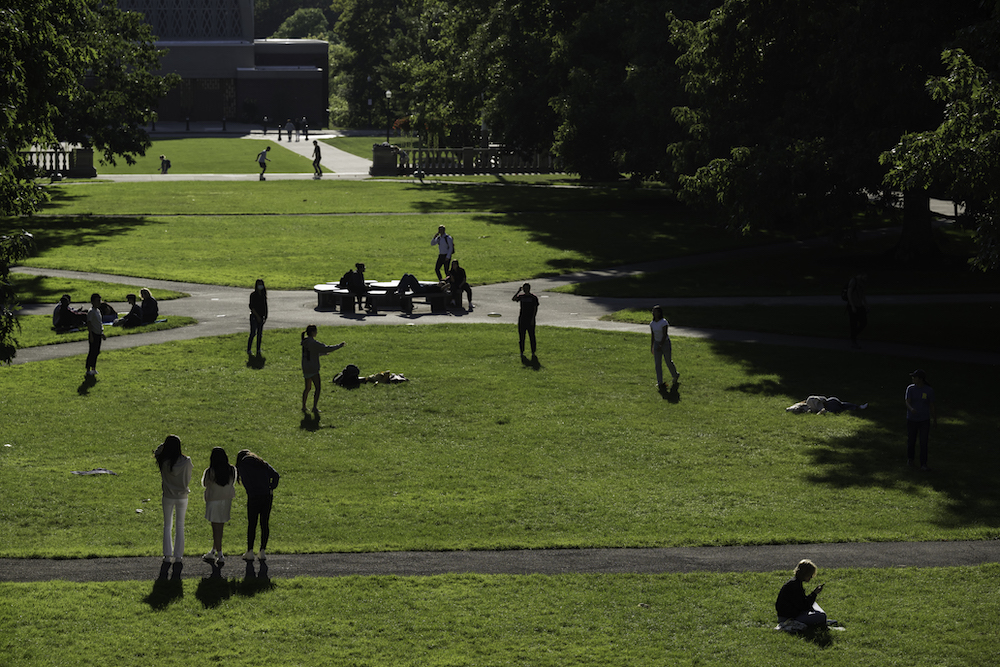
<point>388,112</point>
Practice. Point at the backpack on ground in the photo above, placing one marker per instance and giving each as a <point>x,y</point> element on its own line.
<point>349,378</point>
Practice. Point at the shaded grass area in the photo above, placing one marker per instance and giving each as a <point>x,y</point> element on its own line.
<point>48,289</point>
<point>37,330</point>
<point>918,616</point>
<point>212,155</point>
<point>480,452</point>
<point>978,324</point>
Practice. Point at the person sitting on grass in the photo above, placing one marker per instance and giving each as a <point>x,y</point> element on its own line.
<point>150,309</point>
<point>134,316</point>
<point>794,605</point>
<point>820,405</point>
<point>65,317</point>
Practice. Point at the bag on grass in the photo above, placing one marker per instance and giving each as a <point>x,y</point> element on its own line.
<point>348,378</point>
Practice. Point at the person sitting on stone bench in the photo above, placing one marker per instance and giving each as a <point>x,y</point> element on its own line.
<point>354,282</point>
<point>457,283</point>
<point>408,283</point>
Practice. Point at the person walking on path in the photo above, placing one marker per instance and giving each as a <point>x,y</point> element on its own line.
<point>794,605</point>
<point>175,480</point>
<point>857,307</point>
<point>317,156</point>
<point>289,130</point>
<point>164,164</point>
<point>919,412</point>
<point>260,480</point>
<point>312,350</point>
<point>660,346</point>
<point>262,160</point>
<point>258,314</point>
<point>95,333</point>
<point>526,318</point>
<point>219,480</point>
<point>446,248</point>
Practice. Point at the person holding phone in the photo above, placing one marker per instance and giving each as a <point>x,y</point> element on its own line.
<point>793,604</point>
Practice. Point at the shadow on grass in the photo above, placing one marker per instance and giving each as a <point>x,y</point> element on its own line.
<point>165,591</point>
<point>80,231</point>
<point>216,589</point>
<point>871,453</point>
<point>89,381</point>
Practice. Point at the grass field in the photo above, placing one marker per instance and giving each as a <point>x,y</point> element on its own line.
<point>37,330</point>
<point>930,617</point>
<point>212,156</point>
<point>48,289</point>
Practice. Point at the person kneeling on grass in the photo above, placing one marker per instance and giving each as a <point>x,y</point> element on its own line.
<point>795,609</point>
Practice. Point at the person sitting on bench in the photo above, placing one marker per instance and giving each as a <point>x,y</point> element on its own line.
<point>354,282</point>
<point>408,283</point>
<point>457,283</point>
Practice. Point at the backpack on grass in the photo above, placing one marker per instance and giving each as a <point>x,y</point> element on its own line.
<point>349,378</point>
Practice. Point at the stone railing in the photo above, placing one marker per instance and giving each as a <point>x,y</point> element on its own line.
<point>393,161</point>
<point>75,163</point>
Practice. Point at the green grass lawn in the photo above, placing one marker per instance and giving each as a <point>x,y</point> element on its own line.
<point>480,452</point>
<point>979,324</point>
<point>37,330</point>
<point>48,289</point>
<point>919,617</point>
<point>211,155</point>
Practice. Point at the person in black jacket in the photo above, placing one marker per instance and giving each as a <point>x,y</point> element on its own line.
<point>258,314</point>
<point>794,604</point>
<point>260,480</point>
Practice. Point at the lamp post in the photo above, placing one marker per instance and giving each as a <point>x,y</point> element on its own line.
<point>388,113</point>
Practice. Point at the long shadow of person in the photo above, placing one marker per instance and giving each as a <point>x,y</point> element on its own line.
<point>255,361</point>
<point>532,363</point>
<point>254,582</point>
<point>88,382</point>
<point>165,591</point>
<point>214,589</point>
<point>310,421</point>
<point>672,395</point>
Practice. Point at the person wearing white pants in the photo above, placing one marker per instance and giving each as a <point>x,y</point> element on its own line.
<point>175,476</point>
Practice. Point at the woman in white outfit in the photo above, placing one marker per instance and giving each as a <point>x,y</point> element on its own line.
<point>219,480</point>
<point>175,476</point>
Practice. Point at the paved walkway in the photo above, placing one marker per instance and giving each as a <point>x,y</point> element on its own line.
<point>222,310</point>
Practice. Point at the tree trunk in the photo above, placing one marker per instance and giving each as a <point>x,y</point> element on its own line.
<point>916,243</point>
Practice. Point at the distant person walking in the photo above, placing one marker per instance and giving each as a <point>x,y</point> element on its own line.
<point>857,307</point>
<point>317,157</point>
<point>175,479</point>
<point>526,318</point>
<point>919,412</point>
<point>258,314</point>
<point>164,164</point>
<point>219,480</point>
<point>290,129</point>
<point>446,248</point>
<point>260,480</point>
<point>660,346</point>
<point>262,160</point>
<point>312,350</point>
<point>95,333</point>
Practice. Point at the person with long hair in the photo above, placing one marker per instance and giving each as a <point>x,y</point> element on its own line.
<point>219,480</point>
<point>312,350</point>
<point>258,314</point>
<point>793,604</point>
<point>175,478</point>
<point>260,480</point>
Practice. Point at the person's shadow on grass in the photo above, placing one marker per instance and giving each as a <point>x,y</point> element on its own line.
<point>255,361</point>
<point>215,589</point>
<point>532,363</point>
<point>255,582</point>
<point>88,382</point>
<point>310,421</point>
<point>165,591</point>
<point>672,395</point>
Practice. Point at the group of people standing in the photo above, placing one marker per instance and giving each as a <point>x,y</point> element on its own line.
<point>219,480</point>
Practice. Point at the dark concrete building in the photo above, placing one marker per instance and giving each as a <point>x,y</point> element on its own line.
<point>226,73</point>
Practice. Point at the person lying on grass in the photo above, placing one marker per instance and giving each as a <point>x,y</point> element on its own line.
<point>822,404</point>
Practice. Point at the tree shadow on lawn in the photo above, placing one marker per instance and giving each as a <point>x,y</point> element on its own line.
<point>962,459</point>
<point>79,231</point>
<point>500,198</point>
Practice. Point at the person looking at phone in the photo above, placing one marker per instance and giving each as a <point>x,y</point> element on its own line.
<point>794,604</point>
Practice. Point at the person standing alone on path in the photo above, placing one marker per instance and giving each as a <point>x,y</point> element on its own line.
<point>175,478</point>
<point>317,156</point>
<point>857,307</point>
<point>260,480</point>
<point>446,248</point>
<point>262,160</point>
<point>660,346</point>
<point>919,412</point>
<point>95,333</point>
<point>258,314</point>
<point>526,318</point>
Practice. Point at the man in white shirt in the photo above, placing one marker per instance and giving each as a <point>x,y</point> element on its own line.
<point>446,248</point>
<point>661,347</point>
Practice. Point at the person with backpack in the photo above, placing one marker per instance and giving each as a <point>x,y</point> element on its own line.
<point>312,350</point>
<point>262,160</point>
<point>164,164</point>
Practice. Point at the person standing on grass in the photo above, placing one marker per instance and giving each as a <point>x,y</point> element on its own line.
<point>175,478</point>
<point>526,318</point>
<point>95,333</point>
<point>919,412</point>
<point>317,157</point>
<point>857,307</point>
<point>219,480</point>
<point>260,480</point>
<point>660,346</point>
<point>258,314</point>
<point>793,603</point>
<point>312,350</point>
<point>446,248</point>
<point>262,160</point>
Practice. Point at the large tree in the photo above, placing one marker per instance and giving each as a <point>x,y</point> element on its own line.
<point>13,248</point>
<point>77,71</point>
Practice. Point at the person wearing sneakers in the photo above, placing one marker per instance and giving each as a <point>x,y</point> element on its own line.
<point>660,347</point>
<point>95,332</point>
<point>317,157</point>
<point>219,480</point>
<point>260,480</point>
<point>262,161</point>
<point>175,477</point>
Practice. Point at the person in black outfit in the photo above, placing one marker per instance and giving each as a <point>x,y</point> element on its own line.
<point>794,604</point>
<point>150,309</point>
<point>260,480</point>
<point>354,282</point>
<point>258,314</point>
<point>526,318</point>
<point>134,317</point>
<point>457,283</point>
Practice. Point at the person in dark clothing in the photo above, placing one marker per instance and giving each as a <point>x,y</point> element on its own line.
<point>258,314</point>
<point>65,317</point>
<point>457,283</point>
<point>794,604</point>
<point>260,480</point>
<point>354,282</point>
<point>134,317</point>
<point>150,309</point>
<point>526,318</point>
